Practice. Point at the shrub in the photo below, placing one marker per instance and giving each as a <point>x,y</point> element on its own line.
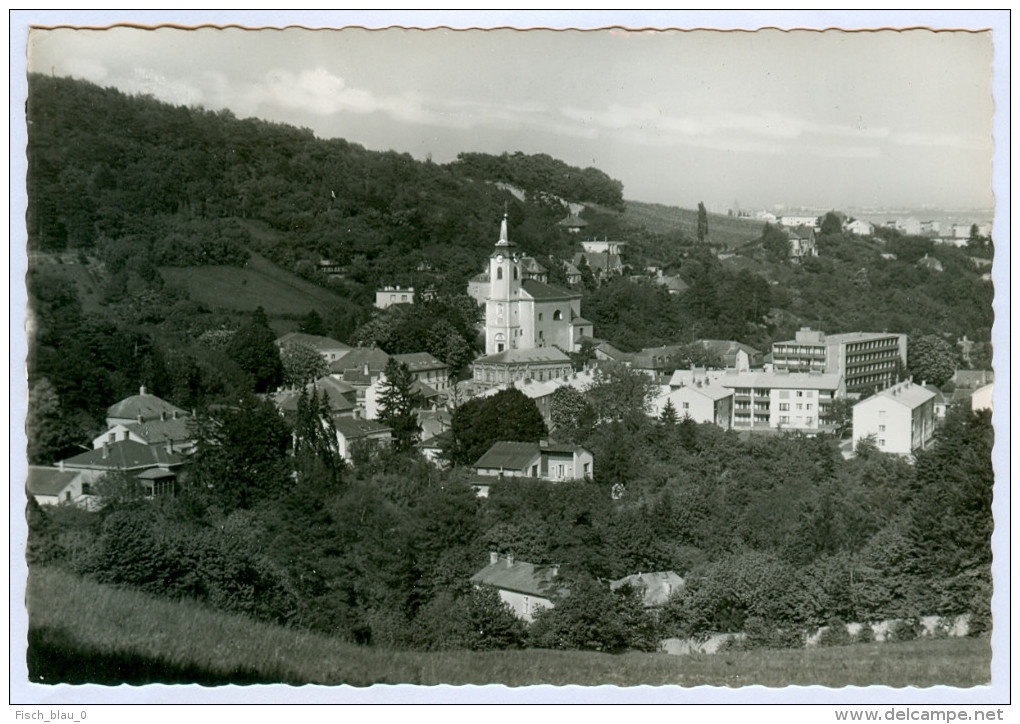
<point>866,635</point>
<point>835,633</point>
<point>764,634</point>
<point>904,630</point>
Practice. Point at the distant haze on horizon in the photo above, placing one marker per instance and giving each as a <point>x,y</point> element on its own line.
<point>804,119</point>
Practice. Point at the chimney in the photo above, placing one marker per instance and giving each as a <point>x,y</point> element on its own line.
<point>493,558</point>
<point>175,414</point>
<point>106,451</point>
<point>162,415</point>
<point>366,369</point>
<point>556,570</point>
<point>141,390</point>
<point>61,466</point>
<point>140,418</point>
<point>509,560</point>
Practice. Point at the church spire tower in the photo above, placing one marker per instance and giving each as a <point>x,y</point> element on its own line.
<point>502,307</point>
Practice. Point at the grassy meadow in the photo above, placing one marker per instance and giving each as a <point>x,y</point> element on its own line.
<point>729,231</point>
<point>260,283</point>
<point>83,632</point>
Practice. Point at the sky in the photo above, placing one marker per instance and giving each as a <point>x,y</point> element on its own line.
<point>802,119</point>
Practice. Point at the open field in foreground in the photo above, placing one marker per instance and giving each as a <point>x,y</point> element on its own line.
<point>82,632</point>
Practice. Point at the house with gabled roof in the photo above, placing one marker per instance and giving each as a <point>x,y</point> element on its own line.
<point>700,401</point>
<point>154,466</point>
<point>51,485</point>
<point>544,460</point>
<point>341,397</point>
<point>330,349</point>
<point>352,430</point>
<point>426,369</point>
<point>526,587</point>
<point>169,431</point>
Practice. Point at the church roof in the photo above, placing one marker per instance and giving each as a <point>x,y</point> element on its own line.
<point>540,291</point>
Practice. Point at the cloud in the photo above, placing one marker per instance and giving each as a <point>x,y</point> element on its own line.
<point>85,69</point>
<point>764,132</point>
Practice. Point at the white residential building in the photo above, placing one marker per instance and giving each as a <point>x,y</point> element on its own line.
<point>702,402</point>
<point>782,400</point>
<point>900,419</point>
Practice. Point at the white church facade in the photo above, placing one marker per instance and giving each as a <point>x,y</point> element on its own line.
<point>522,314</point>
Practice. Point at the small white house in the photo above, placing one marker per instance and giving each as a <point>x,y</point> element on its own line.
<point>981,398</point>
<point>700,401</point>
<point>525,587</point>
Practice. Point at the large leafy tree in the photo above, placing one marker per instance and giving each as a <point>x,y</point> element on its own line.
<point>240,456</point>
<point>253,349</point>
<point>397,404</point>
<point>301,364</point>
<point>621,394</point>
<point>930,359</point>
<point>508,415</point>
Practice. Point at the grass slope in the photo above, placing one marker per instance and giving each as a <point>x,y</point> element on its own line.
<point>729,231</point>
<point>82,632</point>
<point>258,283</point>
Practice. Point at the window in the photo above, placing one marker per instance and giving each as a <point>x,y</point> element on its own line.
<point>539,316</point>
<point>534,471</point>
<point>807,406</point>
<point>86,489</point>
<point>541,334</point>
<point>499,272</point>
<point>557,315</point>
<point>403,297</point>
<point>800,406</point>
<point>881,442</point>
<point>809,420</point>
<point>587,468</point>
<point>562,471</point>
<point>687,405</point>
<point>784,419</point>
<point>800,393</point>
<point>881,428</point>
<point>515,272</point>
<point>784,406</point>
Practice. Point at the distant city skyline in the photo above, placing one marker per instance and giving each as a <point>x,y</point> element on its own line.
<point>804,119</point>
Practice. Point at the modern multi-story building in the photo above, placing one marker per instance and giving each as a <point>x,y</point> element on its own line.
<point>900,419</point>
<point>866,361</point>
<point>782,400</point>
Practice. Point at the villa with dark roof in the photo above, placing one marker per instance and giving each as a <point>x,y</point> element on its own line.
<point>525,587</point>
<point>330,349</point>
<point>142,407</point>
<point>544,460</point>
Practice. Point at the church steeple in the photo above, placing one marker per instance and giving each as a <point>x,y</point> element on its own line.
<point>503,238</point>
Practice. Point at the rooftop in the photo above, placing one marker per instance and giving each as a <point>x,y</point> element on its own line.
<point>782,380</point>
<point>524,356</point>
<point>124,455</point>
<point>904,393</point>
<point>419,361</point>
<point>505,455</point>
<point>316,342</point>
<point>148,406</point>
<point>538,290</point>
<point>353,428</point>
<point>43,480</point>
<point>520,577</point>
<point>358,357</point>
<point>657,587</point>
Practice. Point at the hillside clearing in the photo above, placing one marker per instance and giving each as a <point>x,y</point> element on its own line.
<point>727,231</point>
<point>259,283</point>
<point>80,631</point>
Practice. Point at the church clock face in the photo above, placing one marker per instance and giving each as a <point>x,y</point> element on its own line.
<point>499,258</point>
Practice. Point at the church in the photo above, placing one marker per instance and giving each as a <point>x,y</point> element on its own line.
<point>529,325</point>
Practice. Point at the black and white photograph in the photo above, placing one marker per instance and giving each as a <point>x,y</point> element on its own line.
<point>391,357</point>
